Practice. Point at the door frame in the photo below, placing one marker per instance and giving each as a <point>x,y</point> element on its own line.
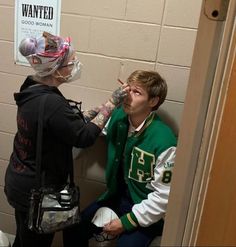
<point>209,78</point>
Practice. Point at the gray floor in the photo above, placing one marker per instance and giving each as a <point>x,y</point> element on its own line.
<point>92,242</point>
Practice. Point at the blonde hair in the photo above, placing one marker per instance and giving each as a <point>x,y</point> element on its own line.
<point>154,84</point>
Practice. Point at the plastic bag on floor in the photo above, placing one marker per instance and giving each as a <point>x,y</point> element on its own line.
<point>4,242</point>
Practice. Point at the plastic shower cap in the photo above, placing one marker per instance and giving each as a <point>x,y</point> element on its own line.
<point>46,53</point>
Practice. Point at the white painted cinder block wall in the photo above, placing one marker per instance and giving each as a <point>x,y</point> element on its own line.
<point>113,38</point>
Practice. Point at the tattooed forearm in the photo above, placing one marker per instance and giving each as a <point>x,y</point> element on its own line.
<point>103,115</point>
<point>105,111</point>
<point>91,114</point>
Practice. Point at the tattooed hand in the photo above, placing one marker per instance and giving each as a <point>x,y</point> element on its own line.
<point>119,94</point>
<point>105,110</point>
<point>91,114</point>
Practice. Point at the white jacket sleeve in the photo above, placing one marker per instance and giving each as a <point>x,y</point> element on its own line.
<point>153,208</point>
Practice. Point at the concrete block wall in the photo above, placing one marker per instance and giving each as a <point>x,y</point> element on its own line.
<point>113,38</point>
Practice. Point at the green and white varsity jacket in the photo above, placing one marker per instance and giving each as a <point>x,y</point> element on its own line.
<point>148,158</point>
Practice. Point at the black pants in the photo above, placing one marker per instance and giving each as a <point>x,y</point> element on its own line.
<point>27,238</point>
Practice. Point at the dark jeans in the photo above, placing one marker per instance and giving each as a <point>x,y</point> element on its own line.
<point>140,237</point>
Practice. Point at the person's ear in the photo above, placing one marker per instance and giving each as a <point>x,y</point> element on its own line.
<point>153,101</point>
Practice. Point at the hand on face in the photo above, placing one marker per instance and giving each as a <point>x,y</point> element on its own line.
<point>137,102</point>
<point>119,94</point>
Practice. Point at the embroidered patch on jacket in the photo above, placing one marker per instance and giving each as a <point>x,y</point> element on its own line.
<point>142,165</point>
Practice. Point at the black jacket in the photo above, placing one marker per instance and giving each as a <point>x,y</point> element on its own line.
<point>62,129</point>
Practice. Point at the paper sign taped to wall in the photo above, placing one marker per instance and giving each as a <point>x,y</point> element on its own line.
<point>32,17</point>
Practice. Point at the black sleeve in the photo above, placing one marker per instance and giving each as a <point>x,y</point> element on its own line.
<point>70,127</point>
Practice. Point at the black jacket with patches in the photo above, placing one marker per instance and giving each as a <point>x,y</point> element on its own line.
<point>62,129</point>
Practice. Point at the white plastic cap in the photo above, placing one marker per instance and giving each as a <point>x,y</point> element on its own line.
<point>103,216</point>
